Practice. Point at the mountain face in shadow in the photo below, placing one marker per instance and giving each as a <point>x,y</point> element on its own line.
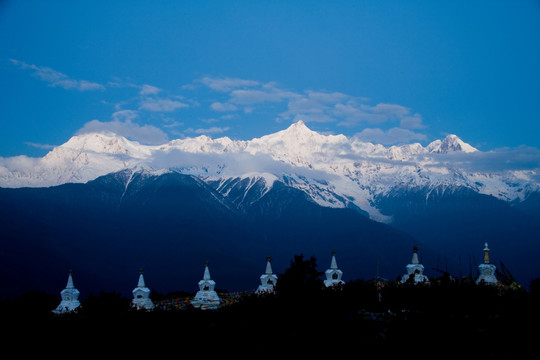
<point>458,221</point>
<point>170,225</point>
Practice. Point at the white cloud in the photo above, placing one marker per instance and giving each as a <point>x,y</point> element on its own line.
<point>227,84</point>
<point>302,104</point>
<point>523,158</point>
<point>256,96</point>
<point>221,107</point>
<point>21,163</point>
<point>212,130</point>
<point>310,106</point>
<point>56,78</point>
<point>125,115</point>
<point>40,146</point>
<point>353,114</point>
<point>388,110</point>
<point>412,122</point>
<point>390,137</point>
<point>235,164</point>
<point>170,123</point>
<point>327,98</point>
<point>246,93</point>
<point>161,104</point>
<point>149,90</point>
<point>146,134</point>
<point>308,109</point>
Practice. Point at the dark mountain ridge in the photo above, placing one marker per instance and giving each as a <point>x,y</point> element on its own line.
<point>458,221</point>
<point>169,225</point>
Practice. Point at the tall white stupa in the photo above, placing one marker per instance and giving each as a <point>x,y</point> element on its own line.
<point>333,275</point>
<point>415,270</point>
<point>486,270</point>
<point>206,297</point>
<point>141,295</point>
<point>268,279</point>
<point>70,298</point>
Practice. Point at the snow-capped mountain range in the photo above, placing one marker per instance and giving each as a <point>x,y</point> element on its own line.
<point>334,170</point>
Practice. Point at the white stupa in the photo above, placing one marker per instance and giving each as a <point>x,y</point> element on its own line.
<point>333,275</point>
<point>206,297</point>
<point>415,269</point>
<point>486,270</point>
<point>70,298</point>
<point>141,295</point>
<point>268,280</point>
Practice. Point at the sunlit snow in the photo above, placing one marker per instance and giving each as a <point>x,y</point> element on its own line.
<point>333,170</point>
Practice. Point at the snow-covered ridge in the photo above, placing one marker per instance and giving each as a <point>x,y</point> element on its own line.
<point>332,169</point>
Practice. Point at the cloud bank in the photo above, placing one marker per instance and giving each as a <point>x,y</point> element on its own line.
<point>241,100</point>
<point>390,137</point>
<point>231,102</point>
<point>395,123</point>
<point>122,124</point>
<point>56,78</point>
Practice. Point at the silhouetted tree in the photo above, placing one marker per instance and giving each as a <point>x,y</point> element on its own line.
<point>105,305</point>
<point>35,304</point>
<point>302,277</point>
<point>535,287</point>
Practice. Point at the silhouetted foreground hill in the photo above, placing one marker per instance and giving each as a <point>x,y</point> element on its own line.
<point>443,320</point>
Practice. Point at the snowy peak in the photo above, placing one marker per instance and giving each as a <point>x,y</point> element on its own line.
<point>297,145</point>
<point>333,170</point>
<point>298,126</point>
<point>100,143</point>
<point>450,143</point>
<point>299,133</point>
<point>203,144</point>
<point>299,130</point>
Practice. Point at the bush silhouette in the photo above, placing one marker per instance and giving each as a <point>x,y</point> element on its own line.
<point>301,279</point>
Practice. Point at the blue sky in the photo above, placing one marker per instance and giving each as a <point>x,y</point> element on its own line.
<point>389,72</point>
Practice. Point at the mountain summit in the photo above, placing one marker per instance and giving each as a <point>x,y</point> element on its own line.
<point>299,127</point>
<point>449,144</point>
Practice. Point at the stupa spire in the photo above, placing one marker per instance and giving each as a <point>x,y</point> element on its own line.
<point>268,279</point>
<point>486,271</point>
<point>141,295</point>
<point>206,297</point>
<point>333,263</point>
<point>333,274</point>
<point>70,297</point>
<point>70,284</point>
<point>141,279</point>
<point>415,270</point>
<point>415,256</point>
<point>206,275</point>
<point>268,266</point>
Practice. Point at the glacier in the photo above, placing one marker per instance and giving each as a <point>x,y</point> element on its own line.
<point>333,170</point>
